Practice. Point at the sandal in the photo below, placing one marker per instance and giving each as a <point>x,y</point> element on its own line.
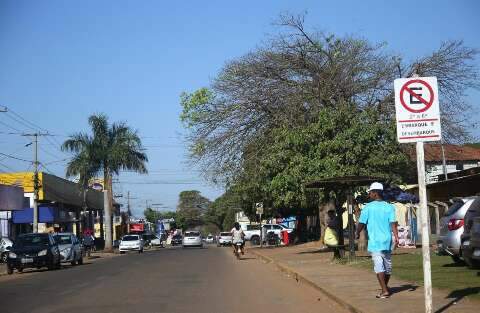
<point>383,296</point>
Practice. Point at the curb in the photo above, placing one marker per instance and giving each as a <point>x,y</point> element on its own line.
<point>298,277</point>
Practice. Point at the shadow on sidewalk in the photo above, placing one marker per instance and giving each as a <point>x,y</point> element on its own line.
<point>457,296</point>
<point>408,287</point>
<point>322,250</point>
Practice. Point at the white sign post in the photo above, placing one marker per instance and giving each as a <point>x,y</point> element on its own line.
<point>418,120</point>
<point>259,207</point>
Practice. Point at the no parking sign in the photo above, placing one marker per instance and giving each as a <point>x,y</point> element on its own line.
<point>417,109</point>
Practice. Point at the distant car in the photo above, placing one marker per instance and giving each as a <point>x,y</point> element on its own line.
<point>192,239</point>
<point>210,239</point>
<point>471,235</point>
<point>33,250</point>
<point>176,240</point>
<point>152,240</point>
<point>224,239</point>
<point>132,242</point>
<point>5,244</point>
<point>451,228</point>
<point>71,250</point>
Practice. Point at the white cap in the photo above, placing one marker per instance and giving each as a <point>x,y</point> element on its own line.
<point>375,186</point>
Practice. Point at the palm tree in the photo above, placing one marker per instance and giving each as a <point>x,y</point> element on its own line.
<point>110,149</point>
<point>81,165</point>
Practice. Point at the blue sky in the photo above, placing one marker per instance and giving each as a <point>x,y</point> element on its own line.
<point>61,61</point>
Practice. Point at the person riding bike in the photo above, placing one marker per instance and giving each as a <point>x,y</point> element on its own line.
<point>89,243</point>
<point>238,237</point>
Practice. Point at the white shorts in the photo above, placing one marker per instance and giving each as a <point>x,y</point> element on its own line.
<point>382,262</point>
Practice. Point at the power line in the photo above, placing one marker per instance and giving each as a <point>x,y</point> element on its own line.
<point>9,126</point>
<point>15,158</point>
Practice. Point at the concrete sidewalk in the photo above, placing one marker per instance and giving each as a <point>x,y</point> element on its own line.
<point>354,288</point>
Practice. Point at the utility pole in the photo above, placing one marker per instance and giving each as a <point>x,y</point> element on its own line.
<point>36,185</point>
<point>128,212</point>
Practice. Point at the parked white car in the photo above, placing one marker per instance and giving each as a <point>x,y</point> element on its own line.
<point>254,235</point>
<point>71,249</point>
<point>132,242</point>
<point>192,239</point>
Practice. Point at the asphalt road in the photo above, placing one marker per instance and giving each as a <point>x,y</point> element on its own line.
<point>173,280</point>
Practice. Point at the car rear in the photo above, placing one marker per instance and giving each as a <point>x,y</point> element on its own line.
<point>451,228</point>
<point>192,239</point>
<point>471,235</point>
<point>225,238</point>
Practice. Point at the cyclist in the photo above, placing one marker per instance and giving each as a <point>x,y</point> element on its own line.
<point>238,237</point>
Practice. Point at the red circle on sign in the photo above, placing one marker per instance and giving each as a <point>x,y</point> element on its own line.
<point>405,88</point>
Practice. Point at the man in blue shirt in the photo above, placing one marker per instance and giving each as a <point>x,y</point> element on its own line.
<point>379,218</point>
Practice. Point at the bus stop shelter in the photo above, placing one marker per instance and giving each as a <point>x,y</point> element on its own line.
<point>344,187</point>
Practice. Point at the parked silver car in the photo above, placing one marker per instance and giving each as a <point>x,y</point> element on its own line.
<point>4,244</point>
<point>451,228</point>
<point>71,249</point>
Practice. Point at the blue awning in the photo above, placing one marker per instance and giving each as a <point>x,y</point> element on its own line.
<point>25,216</point>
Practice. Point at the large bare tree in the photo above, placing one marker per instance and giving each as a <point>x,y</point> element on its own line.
<point>294,75</point>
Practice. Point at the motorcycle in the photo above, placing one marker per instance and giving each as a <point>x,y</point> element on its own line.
<point>272,239</point>
<point>238,249</point>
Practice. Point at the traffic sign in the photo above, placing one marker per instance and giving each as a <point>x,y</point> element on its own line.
<point>417,109</point>
<point>259,207</point>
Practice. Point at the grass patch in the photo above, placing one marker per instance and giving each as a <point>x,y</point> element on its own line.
<point>458,279</point>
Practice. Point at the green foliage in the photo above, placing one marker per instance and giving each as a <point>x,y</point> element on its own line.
<point>153,216</point>
<point>222,211</point>
<point>193,105</point>
<point>191,209</point>
<point>342,141</point>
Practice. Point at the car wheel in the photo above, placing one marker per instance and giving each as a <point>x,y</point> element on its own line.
<point>474,264</point>
<point>255,240</point>
<point>9,270</point>
<point>20,269</point>
<point>457,259</point>
<point>122,252</point>
<point>80,261</point>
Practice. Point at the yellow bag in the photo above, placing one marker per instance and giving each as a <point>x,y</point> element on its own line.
<point>331,237</point>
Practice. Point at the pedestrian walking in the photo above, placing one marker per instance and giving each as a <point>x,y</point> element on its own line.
<point>378,217</point>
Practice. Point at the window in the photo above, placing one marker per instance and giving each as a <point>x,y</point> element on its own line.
<point>459,167</point>
<point>63,239</point>
<point>253,227</point>
<point>277,227</point>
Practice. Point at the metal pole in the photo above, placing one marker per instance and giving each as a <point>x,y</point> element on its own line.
<point>422,192</point>
<point>351,235</point>
<point>35,185</point>
<point>444,162</point>
<point>261,231</point>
